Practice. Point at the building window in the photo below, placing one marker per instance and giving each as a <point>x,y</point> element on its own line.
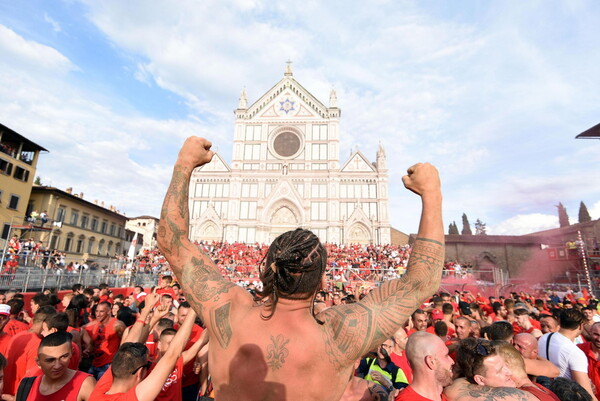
<point>74,217</point>
<point>321,233</point>
<point>5,167</point>
<point>21,174</point>
<point>100,246</point>
<point>94,224</point>
<point>90,245</point>
<point>61,213</point>
<point>5,230</point>
<point>250,166</point>
<point>112,230</point>
<point>104,227</point>
<point>297,166</point>
<point>249,190</point>
<point>252,152</point>
<point>247,234</point>
<point>253,132</point>
<point>120,232</point>
<point>318,210</point>
<point>319,151</point>
<point>318,166</point>
<point>14,202</point>
<point>54,241</point>
<point>79,248</point>
<point>273,166</point>
<point>68,243</point>
<point>109,248</point>
<point>319,132</point>
<point>247,210</point>
<point>318,191</point>
<point>85,220</point>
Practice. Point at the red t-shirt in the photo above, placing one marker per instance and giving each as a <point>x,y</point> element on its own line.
<point>128,396</point>
<point>4,340</point>
<point>451,331</point>
<point>21,353</point>
<point>105,339</point>
<point>171,390</point>
<point>14,327</point>
<point>542,393</point>
<point>68,392</point>
<point>593,366</point>
<point>189,377</point>
<point>402,362</point>
<point>408,394</point>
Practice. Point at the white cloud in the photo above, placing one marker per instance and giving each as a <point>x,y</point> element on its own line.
<point>30,55</point>
<point>55,25</point>
<point>524,224</point>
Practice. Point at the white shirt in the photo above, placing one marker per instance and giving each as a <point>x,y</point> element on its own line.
<point>564,354</point>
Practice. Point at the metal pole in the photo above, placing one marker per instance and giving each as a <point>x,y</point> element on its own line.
<point>27,280</point>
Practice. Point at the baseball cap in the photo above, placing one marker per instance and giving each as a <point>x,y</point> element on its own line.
<point>437,314</point>
<point>4,310</point>
<point>464,307</point>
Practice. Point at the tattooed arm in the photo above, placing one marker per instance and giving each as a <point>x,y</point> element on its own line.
<point>352,330</point>
<point>207,291</point>
<point>462,390</point>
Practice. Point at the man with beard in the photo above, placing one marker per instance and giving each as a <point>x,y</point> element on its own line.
<point>382,370</point>
<point>432,368</point>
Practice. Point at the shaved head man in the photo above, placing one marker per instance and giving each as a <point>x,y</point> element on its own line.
<point>432,367</point>
<point>526,344</point>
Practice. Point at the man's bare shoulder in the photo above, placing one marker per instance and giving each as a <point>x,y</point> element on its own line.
<point>462,390</point>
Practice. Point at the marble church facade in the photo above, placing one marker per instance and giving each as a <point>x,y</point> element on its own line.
<point>286,173</point>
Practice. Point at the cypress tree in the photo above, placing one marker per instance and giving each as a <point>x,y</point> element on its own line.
<point>466,226</point>
<point>563,217</point>
<point>584,215</point>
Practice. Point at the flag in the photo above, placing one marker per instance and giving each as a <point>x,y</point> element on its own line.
<point>131,253</point>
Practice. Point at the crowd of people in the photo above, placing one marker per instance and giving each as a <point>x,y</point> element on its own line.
<point>459,346</point>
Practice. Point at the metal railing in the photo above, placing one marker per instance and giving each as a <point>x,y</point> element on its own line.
<point>34,279</point>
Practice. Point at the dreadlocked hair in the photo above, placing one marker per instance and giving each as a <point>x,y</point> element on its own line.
<point>293,268</point>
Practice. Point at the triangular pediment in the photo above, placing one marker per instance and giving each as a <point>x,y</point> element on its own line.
<point>358,215</point>
<point>217,164</point>
<point>210,213</point>
<point>283,193</point>
<point>287,99</point>
<point>358,163</point>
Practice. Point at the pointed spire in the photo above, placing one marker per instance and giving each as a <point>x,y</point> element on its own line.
<point>288,68</point>
<point>332,99</point>
<point>380,151</point>
<point>243,99</point>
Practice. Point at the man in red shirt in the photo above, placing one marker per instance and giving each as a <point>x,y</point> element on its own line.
<point>4,337</point>
<point>419,321</point>
<point>105,333</point>
<point>127,380</point>
<point>432,368</point>
<point>592,352</point>
<point>190,380</point>
<point>22,351</point>
<point>57,381</point>
<point>14,325</point>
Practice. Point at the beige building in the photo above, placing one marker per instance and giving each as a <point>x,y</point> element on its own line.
<point>18,160</point>
<point>146,227</point>
<point>82,229</point>
<point>286,173</point>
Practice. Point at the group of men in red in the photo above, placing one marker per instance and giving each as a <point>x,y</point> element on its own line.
<point>64,351</point>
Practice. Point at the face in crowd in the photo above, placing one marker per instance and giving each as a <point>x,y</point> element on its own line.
<point>420,321</point>
<point>548,325</point>
<point>102,313</point>
<point>54,361</point>
<point>463,328</point>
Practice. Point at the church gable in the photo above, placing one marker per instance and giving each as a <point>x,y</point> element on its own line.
<point>217,164</point>
<point>358,163</point>
<point>287,99</point>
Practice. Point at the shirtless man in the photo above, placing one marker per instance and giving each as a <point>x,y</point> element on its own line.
<point>276,349</point>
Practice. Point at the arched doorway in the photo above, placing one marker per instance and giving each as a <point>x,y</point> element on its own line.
<point>358,234</point>
<point>283,219</point>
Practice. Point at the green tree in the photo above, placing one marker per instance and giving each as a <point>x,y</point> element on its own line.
<point>452,229</point>
<point>480,228</point>
<point>38,180</point>
<point>563,217</point>
<point>466,226</point>
<point>584,215</point>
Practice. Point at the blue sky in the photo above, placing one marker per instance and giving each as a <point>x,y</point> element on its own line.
<point>493,93</point>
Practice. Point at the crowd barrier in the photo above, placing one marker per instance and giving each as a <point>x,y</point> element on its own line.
<point>35,279</point>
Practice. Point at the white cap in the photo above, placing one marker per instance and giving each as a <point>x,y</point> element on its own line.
<point>4,309</point>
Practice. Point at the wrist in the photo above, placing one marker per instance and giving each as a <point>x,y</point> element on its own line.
<point>142,321</point>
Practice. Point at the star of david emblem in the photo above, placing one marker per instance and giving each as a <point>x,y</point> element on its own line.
<point>287,105</point>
